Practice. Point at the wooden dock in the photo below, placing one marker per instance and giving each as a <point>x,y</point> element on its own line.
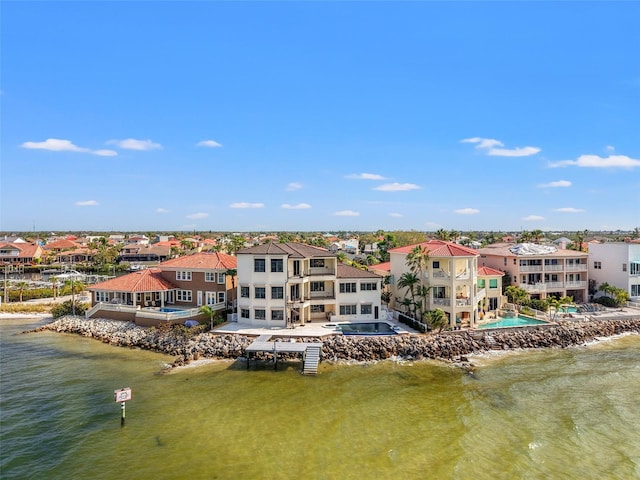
<point>310,352</point>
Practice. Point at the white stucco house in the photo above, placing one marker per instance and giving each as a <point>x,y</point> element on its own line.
<point>617,264</point>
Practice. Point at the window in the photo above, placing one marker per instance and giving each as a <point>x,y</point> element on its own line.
<point>244,292</point>
<point>181,275</point>
<point>260,314</point>
<point>277,265</point>
<point>348,287</point>
<point>183,295</point>
<point>210,298</point>
<point>597,265</point>
<point>348,309</point>
<point>209,276</point>
<point>365,309</point>
<point>317,286</point>
<point>481,283</point>
<point>635,290</point>
<point>493,283</point>
<point>624,267</point>
<point>317,308</point>
<point>259,265</point>
<point>635,268</point>
<point>316,263</point>
<point>277,314</point>
<point>436,264</point>
<point>244,313</point>
<point>260,292</point>
<point>222,278</point>
<point>368,286</point>
<point>277,292</point>
<point>505,261</point>
<point>222,297</point>
<point>439,292</point>
<point>102,296</point>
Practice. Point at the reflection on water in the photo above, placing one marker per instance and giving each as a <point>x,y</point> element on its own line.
<point>544,414</point>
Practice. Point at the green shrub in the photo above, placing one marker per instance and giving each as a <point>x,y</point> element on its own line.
<point>606,301</point>
<point>67,308</point>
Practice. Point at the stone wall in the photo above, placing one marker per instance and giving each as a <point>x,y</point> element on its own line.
<point>451,346</point>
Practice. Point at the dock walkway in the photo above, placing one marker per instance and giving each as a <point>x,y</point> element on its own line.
<point>263,344</point>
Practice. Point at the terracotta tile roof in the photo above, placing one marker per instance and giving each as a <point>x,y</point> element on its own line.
<point>62,244</point>
<point>347,271</point>
<point>203,261</point>
<point>148,280</point>
<point>291,249</point>
<point>26,250</point>
<point>489,272</point>
<point>439,248</point>
<point>381,267</point>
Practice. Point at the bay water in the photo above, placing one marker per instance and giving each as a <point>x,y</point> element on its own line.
<point>543,414</point>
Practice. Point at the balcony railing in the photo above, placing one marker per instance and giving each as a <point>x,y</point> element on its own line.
<point>327,294</point>
<point>553,268</point>
<point>551,285</point>
<point>463,302</point>
<point>530,268</point>
<point>576,284</point>
<point>320,271</point>
<point>533,288</point>
<point>481,294</point>
<point>576,266</point>
<point>442,301</point>
<point>440,274</point>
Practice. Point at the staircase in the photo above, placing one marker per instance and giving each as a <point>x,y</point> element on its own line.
<point>311,360</point>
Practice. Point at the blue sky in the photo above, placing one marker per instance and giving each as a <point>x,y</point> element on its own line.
<point>243,116</point>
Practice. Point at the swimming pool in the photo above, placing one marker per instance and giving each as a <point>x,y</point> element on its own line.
<point>169,310</point>
<point>519,321</point>
<point>366,328</point>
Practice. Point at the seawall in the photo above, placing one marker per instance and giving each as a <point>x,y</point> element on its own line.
<point>449,346</point>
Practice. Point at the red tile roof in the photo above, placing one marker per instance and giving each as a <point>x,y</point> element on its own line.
<point>26,250</point>
<point>488,272</point>
<point>148,280</point>
<point>203,261</point>
<point>384,266</point>
<point>62,244</point>
<point>439,248</point>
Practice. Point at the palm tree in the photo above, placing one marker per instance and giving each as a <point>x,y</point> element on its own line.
<point>536,235</point>
<point>423,292</point>
<point>409,281</point>
<point>21,287</point>
<point>442,234</point>
<point>342,257</point>
<point>54,284</point>
<point>232,273</point>
<point>516,295</point>
<point>207,310</point>
<point>418,260</point>
<point>436,319</point>
<point>606,288</point>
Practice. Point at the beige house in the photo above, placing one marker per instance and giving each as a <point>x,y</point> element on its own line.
<point>541,270</point>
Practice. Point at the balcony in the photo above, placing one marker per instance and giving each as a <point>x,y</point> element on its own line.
<point>576,284</point>
<point>320,295</point>
<point>441,274</point>
<point>533,288</point>
<point>442,301</point>
<point>554,285</point>
<point>573,267</point>
<point>313,271</point>
<point>463,302</point>
<point>530,268</point>
<point>553,268</point>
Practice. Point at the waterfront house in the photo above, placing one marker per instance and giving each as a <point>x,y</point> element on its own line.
<point>617,264</point>
<point>541,270</point>
<point>174,291</point>
<point>282,284</point>
<point>19,254</point>
<point>450,273</point>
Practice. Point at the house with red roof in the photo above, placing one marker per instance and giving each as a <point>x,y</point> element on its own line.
<point>19,253</point>
<point>450,272</point>
<point>172,292</point>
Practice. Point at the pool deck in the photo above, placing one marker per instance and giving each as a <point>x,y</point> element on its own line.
<point>307,330</point>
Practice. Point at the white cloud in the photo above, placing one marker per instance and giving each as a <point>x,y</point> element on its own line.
<point>161,210</point>
<point>86,203</point>
<point>246,205</point>
<point>208,143</point>
<point>610,148</point>
<point>133,144</point>
<point>299,206</point>
<point>59,145</point>
<point>197,216</point>
<point>347,213</point>
<point>396,215</point>
<point>293,186</point>
<point>532,218</point>
<point>397,187</point>
<point>594,161</point>
<point>558,183</point>
<point>467,211</point>
<point>569,210</point>
<point>489,146</point>
<point>365,176</point>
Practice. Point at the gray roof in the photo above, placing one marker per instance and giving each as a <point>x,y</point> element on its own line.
<point>347,271</point>
<point>291,249</point>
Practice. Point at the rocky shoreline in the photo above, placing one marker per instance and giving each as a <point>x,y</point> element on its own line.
<point>448,346</point>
